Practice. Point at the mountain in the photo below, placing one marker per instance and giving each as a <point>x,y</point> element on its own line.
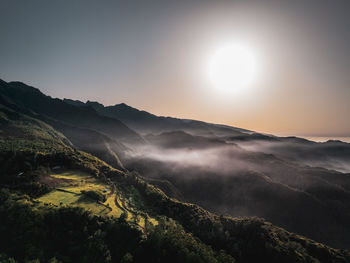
<point>228,179</point>
<point>180,139</point>
<point>59,203</point>
<point>40,183</point>
<point>334,155</point>
<point>331,155</point>
<point>86,117</point>
<point>145,122</point>
<point>84,127</point>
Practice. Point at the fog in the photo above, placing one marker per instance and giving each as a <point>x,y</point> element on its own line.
<point>329,155</point>
<point>223,159</point>
<point>268,179</point>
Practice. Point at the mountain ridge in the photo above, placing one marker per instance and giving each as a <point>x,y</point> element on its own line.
<point>34,99</point>
<point>199,163</point>
<point>232,237</point>
<point>141,120</point>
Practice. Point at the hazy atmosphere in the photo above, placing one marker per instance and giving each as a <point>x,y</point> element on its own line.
<point>157,56</point>
<point>175,131</point>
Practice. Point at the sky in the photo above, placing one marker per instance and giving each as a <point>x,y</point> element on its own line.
<point>153,55</point>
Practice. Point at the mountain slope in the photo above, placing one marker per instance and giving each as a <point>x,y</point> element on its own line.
<point>32,150</point>
<point>333,155</point>
<point>227,179</point>
<point>145,122</point>
<point>85,128</point>
<point>32,99</point>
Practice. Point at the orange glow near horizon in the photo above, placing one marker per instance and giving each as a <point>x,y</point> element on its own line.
<point>290,76</point>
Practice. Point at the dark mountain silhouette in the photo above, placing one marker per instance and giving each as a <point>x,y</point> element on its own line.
<point>86,117</point>
<point>84,127</point>
<point>145,122</point>
<point>331,154</point>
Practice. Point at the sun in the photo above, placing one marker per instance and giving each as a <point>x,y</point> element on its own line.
<point>232,67</point>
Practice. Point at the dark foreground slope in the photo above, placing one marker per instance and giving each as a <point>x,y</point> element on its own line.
<point>30,151</point>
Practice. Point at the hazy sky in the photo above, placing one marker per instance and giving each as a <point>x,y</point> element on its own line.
<point>153,55</point>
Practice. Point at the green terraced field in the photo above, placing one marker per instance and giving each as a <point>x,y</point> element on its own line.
<point>73,175</point>
<point>57,197</point>
<point>69,187</point>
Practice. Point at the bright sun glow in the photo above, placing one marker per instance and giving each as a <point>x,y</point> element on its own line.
<point>231,67</point>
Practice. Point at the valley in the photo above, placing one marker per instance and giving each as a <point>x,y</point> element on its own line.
<point>193,192</point>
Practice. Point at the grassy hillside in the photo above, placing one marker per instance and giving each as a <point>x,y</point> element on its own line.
<point>48,214</point>
<point>78,189</point>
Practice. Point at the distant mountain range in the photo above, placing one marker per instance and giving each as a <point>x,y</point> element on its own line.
<point>300,185</point>
<point>144,122</point>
